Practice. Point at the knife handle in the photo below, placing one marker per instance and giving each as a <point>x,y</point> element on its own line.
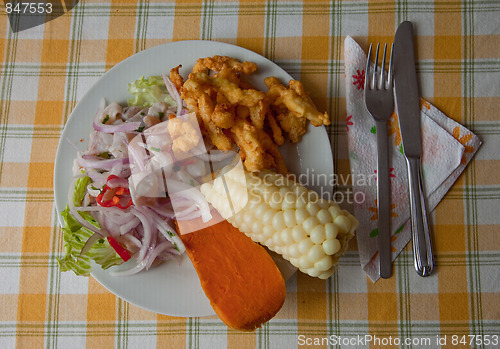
<point>422,246</point>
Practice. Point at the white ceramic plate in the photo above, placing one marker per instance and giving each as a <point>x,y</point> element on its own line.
<point>172,288</point>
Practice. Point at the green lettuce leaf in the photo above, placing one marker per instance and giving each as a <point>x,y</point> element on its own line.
<point>149,91</point>
<point>75,236</point>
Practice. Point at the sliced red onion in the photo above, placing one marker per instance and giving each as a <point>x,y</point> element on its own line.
<point>90,161</point>
<point>140,265</point>
<point>118,218</point>
<point>178,189</point>
<point>130,112</point>
<point>164,246</point>
<point>111,228</point>
<point>127,227</point>
<point>147,225</point>
<point>76,215</point>
<point>163,211</point>
<point>172,90</point>
<point>131,238</point>
<point>138,117</point>
<point>190,216</point>
<point>125,127</point>
<point>97,176</point>
<point>89,243</point>
<point>185,212</point>
<point>117,182</point>
<point>165,228</point>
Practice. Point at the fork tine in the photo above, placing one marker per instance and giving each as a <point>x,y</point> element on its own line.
<point>367,74</point>
<point>374,84</point>
<point>382,82</point>
<point>389,78</point>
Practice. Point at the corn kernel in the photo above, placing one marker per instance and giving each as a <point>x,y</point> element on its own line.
<point>318,234</point>
<point>331,230</point>
<point>289,216</point>
<point>305,262</point>
<point>280,214</point>
<point>298,233</point>
<point>331,246</point>
<point>286,236</point>
<point>310,223</point>
<point>315,253</point>
<point>305,245</point>
<point>343,223</point>
<point>324,263</point>
<point>278,221</point>
<point>293,251</point>
<point>301,215</point>
<point>324,216</point>
<point>312,208</point>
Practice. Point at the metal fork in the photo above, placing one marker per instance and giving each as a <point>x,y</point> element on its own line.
<point>379,101</point>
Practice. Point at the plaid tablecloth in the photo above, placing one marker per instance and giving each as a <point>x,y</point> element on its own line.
<point>46,70</point>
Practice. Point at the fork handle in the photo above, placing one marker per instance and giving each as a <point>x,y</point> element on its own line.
<point>383,201</point>
<point>423,257</point>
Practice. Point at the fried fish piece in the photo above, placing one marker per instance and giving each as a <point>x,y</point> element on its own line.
<point>275,129</point>
<point>231,110</point>
<point>233,93</point>
<point>215,133</point>
<point>230,75</point>
<point>298,103</point>
<point>272,149</point>
<point>294,127</point>
<point>176,78</point>
<point>258,113</point>
<point>223,115</point>
<point>200,102</point>
<point>218,63</point>
<point>248,138</point>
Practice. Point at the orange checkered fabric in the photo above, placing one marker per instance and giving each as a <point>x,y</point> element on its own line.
<point>45,70</point>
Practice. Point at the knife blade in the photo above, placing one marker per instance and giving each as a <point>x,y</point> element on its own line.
<point>408,109</point>
<point>406,90</point>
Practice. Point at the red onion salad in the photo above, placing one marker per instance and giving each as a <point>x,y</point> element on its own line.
<point>144,165</point>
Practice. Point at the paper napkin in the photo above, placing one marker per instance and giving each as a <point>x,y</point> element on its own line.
<point>447,149</point>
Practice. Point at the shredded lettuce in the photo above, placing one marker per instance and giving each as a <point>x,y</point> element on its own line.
<point>75,236</point>
<point>148,91</point>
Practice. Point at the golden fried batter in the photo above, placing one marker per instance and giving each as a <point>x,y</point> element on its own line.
<point>223,115</point>
<point>229,109</point>
<point>300,105</point>
<point>258,113</point>
<point>293,126</point>
<point>275,129</point>
<point>218,63</point>
<point>229,89</point>
<point>272,149</point>
<point>247,137</point>
<point>215,133</point>
<point>176,78</point>
<point>199,101</point>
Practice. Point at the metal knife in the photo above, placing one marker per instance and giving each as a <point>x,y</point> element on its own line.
<point>408,110</point>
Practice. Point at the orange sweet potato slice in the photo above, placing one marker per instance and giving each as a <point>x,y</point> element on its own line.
<point>241,280</point>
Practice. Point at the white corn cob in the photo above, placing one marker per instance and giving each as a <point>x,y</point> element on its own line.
<point>287,218</point>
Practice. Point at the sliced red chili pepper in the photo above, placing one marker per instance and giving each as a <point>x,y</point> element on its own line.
<point>117,192</point>
<point>122,252</point>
